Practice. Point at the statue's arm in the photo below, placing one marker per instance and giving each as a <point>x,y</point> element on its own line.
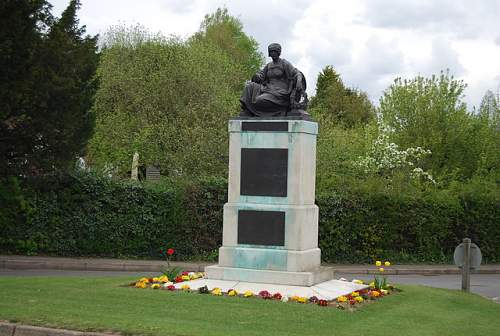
<point>260,76</point>
<point>296,76</point>
<point>299,79</point>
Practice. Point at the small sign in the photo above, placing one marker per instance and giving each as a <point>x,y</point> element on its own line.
<point>475,255</point>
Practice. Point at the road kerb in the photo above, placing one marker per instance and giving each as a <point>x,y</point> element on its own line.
<point>15,329</point>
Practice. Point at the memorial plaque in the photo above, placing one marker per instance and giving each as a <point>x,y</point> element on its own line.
<point>264,172</point>
<point>264,126</point>
<point>261,227</point>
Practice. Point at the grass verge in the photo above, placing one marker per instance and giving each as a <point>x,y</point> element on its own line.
<point>101,304</point>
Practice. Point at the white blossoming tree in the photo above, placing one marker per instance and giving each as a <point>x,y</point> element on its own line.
<point>385,157</point>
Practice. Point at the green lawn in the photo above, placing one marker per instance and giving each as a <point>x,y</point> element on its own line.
<point>101,304</point>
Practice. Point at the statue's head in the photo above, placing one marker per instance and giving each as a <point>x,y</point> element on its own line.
<point>275,48</point>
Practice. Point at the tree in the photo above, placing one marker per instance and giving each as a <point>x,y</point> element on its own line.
<point>69,63</point>
<point>341,105</point>
<point>489,132</point>
<point>226,32</point>
<point>23,23</point>
<point>386,158</point>
<point>490,108</point>
<point>167,99</point>
<point>49,125</point>
<point>430,113</point>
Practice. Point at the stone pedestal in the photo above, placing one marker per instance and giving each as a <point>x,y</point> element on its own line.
<point>270,232</point>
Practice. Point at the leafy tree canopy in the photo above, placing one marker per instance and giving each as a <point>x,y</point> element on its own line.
<point>169,99</point>
<point>335,102</point>
<point>47,69</point>
<point>226,32</point>
<point>430,113</point>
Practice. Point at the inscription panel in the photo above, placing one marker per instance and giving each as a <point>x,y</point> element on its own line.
<point>264,172</point>
<point>261,227</point>
<point>265,126</point>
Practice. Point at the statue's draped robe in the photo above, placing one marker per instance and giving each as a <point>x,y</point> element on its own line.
<point>269,92</point>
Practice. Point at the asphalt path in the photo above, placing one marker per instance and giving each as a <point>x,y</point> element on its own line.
<point>487,285</point>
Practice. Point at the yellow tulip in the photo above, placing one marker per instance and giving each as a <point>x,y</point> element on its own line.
<point>387,264</point>
<point>354,294</point>
<point>381,269</point>
<point>185,277</point>
<point>155,286</point>
<point>232,292</point>
<point>185,287</point>
<point>217,291</point>
<point>372,284</point>
<point>359,299</point>
<point>378,263</point>
<point>248,294</point>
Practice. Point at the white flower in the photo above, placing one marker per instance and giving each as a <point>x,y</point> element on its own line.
<point>284,298</point>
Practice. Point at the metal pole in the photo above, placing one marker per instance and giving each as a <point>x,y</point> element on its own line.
<point>466,266</point>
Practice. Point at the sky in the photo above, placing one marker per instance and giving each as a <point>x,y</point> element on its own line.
<point>369,42</point>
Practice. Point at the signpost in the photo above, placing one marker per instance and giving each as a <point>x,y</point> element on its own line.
<point>467,256</point>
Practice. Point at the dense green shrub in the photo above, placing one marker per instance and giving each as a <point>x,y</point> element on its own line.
<point>425,226</point>
<point>14,211</point>
<point>85,215</point>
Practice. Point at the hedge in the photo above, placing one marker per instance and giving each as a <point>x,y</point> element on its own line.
<point>85,215</point>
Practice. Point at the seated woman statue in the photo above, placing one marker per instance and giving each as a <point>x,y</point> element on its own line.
<point>276,90</point>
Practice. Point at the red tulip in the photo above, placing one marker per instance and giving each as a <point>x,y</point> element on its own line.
<point>170,251</point>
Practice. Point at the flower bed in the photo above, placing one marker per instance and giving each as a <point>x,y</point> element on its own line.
<point>347,302</point>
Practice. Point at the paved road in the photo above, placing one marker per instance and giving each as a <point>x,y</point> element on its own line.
<point>487,285</point>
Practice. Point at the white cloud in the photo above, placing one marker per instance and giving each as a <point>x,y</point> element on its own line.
<point>370,42</point>
<point>443,57</point>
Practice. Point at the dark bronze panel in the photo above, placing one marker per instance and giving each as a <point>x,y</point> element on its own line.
<point>261,227</point>
<point>264,172</point>
<point>265,126</point>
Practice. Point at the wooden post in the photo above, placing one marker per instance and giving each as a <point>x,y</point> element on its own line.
<point>466,266</point>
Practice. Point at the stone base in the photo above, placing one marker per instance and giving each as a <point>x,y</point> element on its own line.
<point>269,259</point>
<point>307,279</point>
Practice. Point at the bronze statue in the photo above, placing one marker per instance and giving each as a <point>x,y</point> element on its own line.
<point>277,90</point>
